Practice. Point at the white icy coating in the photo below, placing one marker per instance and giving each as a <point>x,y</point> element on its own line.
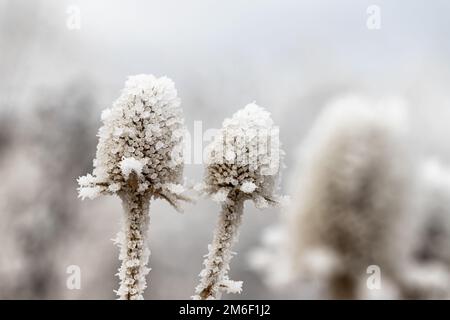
<point>248,187</point>
<point>129,165</point>
<point>175,188</point>
<point>139,156</point>
<point>231,286</point>
<point>90,192</point>
<point>138,136</point>
<point>246,154</point>
<point>243,164</point>
<point>220,196</point>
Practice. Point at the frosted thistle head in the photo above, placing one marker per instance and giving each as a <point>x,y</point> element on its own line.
<point>140,143</point>
<point>244,158</point>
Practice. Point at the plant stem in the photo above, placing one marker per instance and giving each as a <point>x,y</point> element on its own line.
<point>134,251</point>
<point>220,254</point>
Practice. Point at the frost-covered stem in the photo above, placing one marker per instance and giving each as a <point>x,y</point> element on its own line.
<point>220,254</point>
<point>134,251</point>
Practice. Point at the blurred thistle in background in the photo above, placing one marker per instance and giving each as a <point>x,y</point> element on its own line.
<point>356,206</point>
<point>57,76</point>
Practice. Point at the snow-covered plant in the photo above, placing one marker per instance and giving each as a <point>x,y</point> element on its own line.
<point>139,157</point>
<point>353,193</point>
<point>243,163</point>
<point>352,198</point>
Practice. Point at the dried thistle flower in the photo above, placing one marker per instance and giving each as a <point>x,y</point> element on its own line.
<point>139,157</point>
<point>353,192</point>
<point>352,205</point>
<point>243,164</point>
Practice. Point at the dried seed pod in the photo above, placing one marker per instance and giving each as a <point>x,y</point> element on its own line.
<point>139,156</point>
<point>243,164</point>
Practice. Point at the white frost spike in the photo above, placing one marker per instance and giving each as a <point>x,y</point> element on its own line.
<point>220,196</point>
<point>89,192</point>
<point>248,187</point>
<point>231,286</point>
<point>244,161</point>
<point>175,188</point>
<point>128,165</point>
<point>134,161</point>
<point>114,187</point>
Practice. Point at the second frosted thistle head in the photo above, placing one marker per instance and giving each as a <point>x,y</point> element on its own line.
<point>245,158</point>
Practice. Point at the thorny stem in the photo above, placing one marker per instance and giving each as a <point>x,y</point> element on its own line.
<point>134,251</point>
<point>220,254</point>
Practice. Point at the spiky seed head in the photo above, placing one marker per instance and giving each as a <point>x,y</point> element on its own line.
<point>140,142</point>
<point>245,158</point>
